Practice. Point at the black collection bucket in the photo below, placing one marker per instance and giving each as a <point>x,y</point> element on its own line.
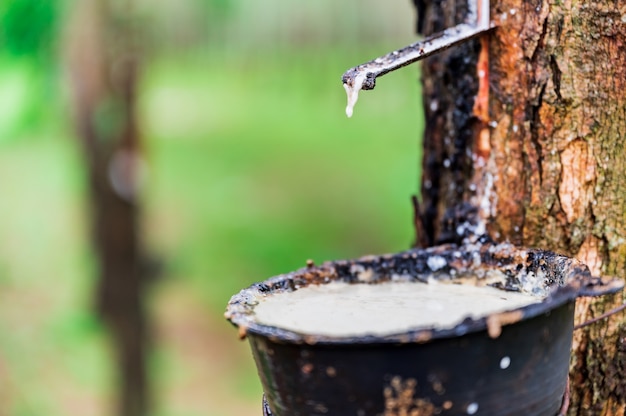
<point>508,363</point>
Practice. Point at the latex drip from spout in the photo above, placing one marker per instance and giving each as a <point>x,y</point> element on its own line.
<point>352,88</point>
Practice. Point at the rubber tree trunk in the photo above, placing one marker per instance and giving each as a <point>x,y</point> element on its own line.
<point>525,141</point>
<point>102,67</point>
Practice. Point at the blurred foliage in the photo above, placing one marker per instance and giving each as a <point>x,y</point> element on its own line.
<point>29,32</point>
<point>30,100</point>
<point>220,8</point>
<point>28,27</point>
<point>253,169</point>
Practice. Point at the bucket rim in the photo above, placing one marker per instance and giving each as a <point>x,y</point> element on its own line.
<point>563,279</point>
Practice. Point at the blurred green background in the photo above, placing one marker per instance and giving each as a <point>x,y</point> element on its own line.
<point>253,168</point>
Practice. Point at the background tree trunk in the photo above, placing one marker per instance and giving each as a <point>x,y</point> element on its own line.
<point>102,60</point>
<point>525,141</point>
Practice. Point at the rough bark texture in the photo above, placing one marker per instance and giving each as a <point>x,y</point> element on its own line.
<point>542,165</point>
<point>449,79</point>
<point>103,71</point>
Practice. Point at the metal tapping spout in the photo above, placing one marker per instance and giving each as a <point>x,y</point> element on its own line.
<point>363,77</point>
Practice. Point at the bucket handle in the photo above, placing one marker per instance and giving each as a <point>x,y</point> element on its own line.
<point>599,286</point>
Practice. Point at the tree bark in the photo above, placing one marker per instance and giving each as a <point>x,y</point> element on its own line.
<point>102,66</point>
<point>525,141</point>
